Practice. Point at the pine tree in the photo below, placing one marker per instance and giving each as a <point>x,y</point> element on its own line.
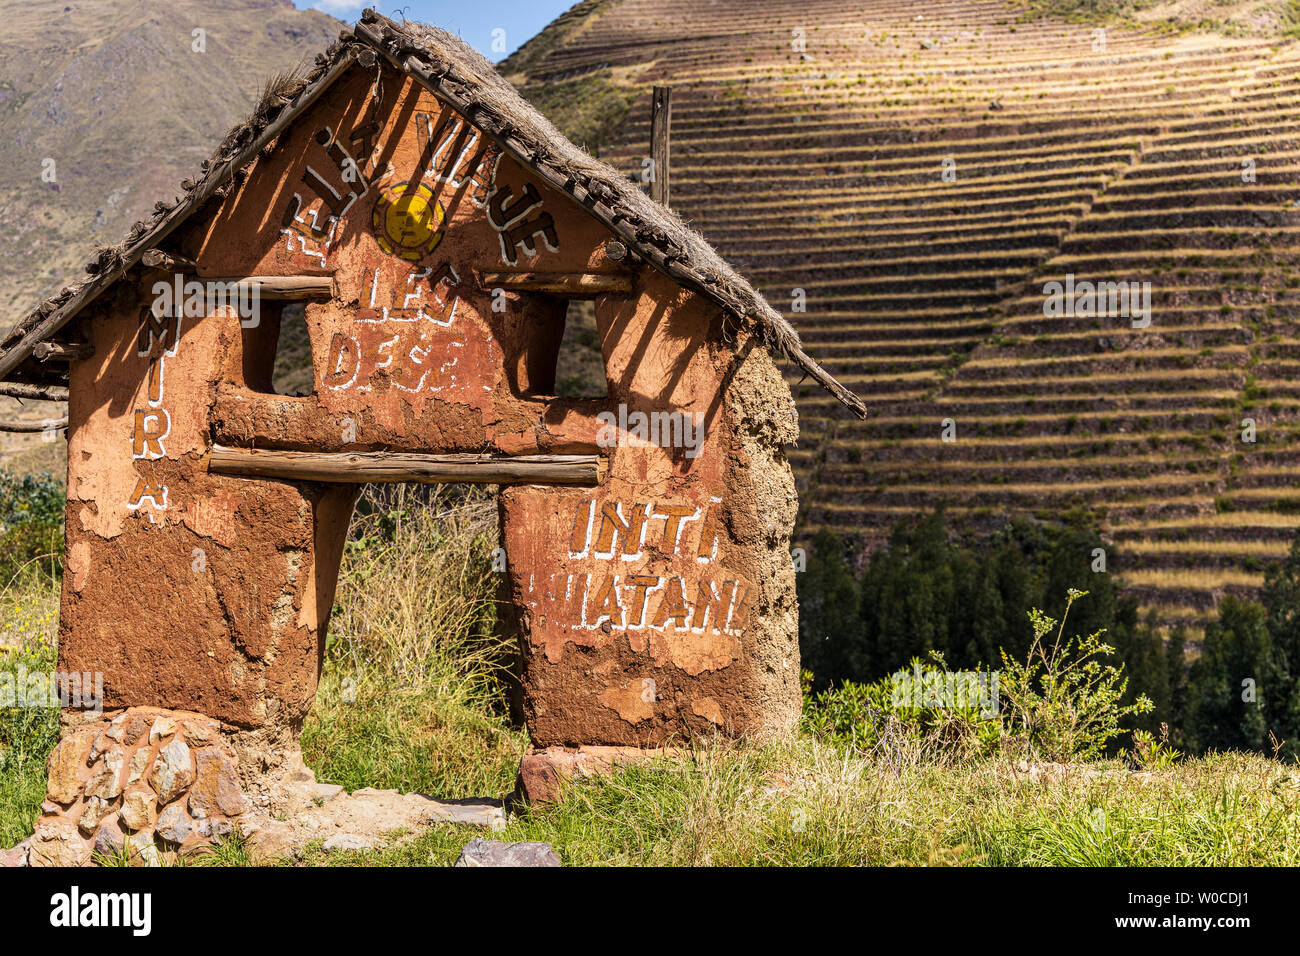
<point>1281,599</point>
<point>1177,675</point>
<point>1238,692</point>
<point>830,628</point>
<point>908,597</point>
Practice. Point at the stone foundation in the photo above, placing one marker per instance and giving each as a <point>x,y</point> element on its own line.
<point>542,772</point>
<point>148,783</point>
<point>138,781</point>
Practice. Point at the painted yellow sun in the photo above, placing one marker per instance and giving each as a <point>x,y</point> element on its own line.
<point>408,221</point>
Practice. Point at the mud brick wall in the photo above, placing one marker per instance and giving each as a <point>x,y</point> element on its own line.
<point>658,603</point>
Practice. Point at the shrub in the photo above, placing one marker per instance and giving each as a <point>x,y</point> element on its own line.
<point>1151,753</point>
<point>30,498</point>
<point>904,705</point>
<point>31,525</point>
<point>1063,702</point>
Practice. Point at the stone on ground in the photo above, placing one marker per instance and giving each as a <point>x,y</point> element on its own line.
<point>499,853</point>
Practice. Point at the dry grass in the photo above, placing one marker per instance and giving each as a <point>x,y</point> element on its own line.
<point>1203,580</point>
<point>29,618</point>
<point>415,605</point>
<point>414,688</point>
<point>1267,549</point>
<point>1229,519</point>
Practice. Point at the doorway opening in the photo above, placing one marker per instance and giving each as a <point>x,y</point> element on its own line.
<point>418,689</point>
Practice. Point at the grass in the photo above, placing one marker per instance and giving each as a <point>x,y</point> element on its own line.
<point>28,630</point>
<point>412,693</point>
<point>1269,549</point>
<point>412,698</point>
<point>813,803</point>
<point>1200,579</point>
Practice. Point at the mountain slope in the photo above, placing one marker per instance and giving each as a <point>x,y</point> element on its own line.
<point>112,99</point>
<point>114,95</point>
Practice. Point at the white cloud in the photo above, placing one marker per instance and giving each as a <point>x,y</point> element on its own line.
<point>338,7</point>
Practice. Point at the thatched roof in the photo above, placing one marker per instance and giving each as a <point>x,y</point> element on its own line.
<point>460,76</point>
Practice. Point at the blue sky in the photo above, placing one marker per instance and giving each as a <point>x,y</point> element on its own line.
<point>474,20</point>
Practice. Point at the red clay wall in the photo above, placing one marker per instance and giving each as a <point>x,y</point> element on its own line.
<point>660,602</point>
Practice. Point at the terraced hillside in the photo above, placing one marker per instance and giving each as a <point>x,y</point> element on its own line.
<point>920,171</point>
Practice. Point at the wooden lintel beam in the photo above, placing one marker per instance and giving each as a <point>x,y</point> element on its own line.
<point>63,351</point>
<point>391,466</point>
<point>572,284</point>
<point>287,288</point>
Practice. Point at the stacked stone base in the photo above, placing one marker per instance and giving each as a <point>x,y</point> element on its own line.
<point>137,784</point>
<point>542,772</point>
<point>144,783</point>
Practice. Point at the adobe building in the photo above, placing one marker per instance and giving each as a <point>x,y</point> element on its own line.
<point>436,226</point>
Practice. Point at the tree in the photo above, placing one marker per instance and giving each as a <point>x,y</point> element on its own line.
<point>829,619</point>
<point>1176,670</point>
<point>1281,598</point>
<point>1237,692</point>
<point>908,597</point>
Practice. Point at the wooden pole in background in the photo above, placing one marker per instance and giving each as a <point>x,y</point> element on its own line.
<point>661,113</point>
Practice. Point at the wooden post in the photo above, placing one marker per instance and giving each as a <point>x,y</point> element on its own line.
<point>360,467</point>
<point>661,113</point>
<point>47,426</point>
<point>167,262</point>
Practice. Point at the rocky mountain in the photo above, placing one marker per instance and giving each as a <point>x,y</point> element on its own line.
<point>105,106</point>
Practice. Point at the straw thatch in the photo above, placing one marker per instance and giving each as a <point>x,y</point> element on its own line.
<point>456,73</point>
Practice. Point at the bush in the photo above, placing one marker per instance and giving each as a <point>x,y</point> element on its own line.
<point>928,590</point>
<point>1063,702</point>
<point>31,525</point>
<point>30,498</point>
<point>864,717</point>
